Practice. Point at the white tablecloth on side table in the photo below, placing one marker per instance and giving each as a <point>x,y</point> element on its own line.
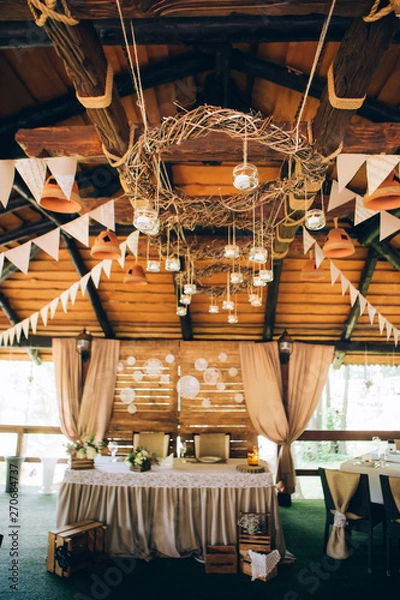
<point>168,512</point>
<point>373,471</point>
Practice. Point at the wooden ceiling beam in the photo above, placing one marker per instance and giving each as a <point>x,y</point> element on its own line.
<point>272,303</point>
<point>84,142</point>
<point>18,10</point>
<point>356,61</point>
<point>14,320</point>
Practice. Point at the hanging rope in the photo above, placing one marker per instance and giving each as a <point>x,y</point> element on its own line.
<point>376,14</point>
<point>118,161</point>
<point>336,101</point>
<point>44,9</point>
<point>314,66</point>
<point>100,101</point>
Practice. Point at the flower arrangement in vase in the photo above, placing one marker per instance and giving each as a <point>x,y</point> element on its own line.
<point>83,452</point>
<point>139,459</point>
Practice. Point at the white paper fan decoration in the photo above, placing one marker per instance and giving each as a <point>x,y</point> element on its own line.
<point>201,364</point>
<point>233,371</point>
<point>138,376</point>
<point>127,395</point>
<point>221,386</point>
<point>188,386</point>
<point>131,360</point>
<point>170,358</point>
<point>120,367</point>
<point>211,376</point>
<point>239,398</point>
<point>223,357</point>
<point>165,378</point>
<point>132,408</point>
<point>153,368</point>
<point>206,403</point>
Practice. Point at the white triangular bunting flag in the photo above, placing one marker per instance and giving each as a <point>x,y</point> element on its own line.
<point>371,312</point>
<point>53,307</point>
<point>1,262</point>
<point>319,256</point>
<point>107,264</point>
<point>6,180</point>
<point>381,321</point>
<point>11,336</point>
<point>347,166</point>
<point>44,313</point>
<point>344,283</point>
<point>334,272</point>
<point>20,256</point>
<point>308,241</point>
<point>73,290</point>
<point>353,294</point>
<point>33,172</point>
<point>396,336</point>
<point>34,321</point>
<point>64,170</point>
<point>84,282</point>
<point>96,274</point>
<point>337,198</point>
<point>362,302</point>
<point>79,229</point>
<point>104,214</point>
<point>361,213</point>
<point>18,331</point>
<point>25,327</point>
<point>389,224</point>
<point>50,242</point>
<point>389,328</point>
<point>121,259</point>
<point>378,168</point>
<point>64,300</point>
<point>132,242</point>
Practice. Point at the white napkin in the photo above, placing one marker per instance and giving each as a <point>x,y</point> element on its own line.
<point>167,463</point>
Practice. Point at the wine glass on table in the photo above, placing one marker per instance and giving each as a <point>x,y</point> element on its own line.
<point>113,448</point>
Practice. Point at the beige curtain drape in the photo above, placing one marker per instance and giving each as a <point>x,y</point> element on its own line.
<point>308,370</point>
<point>87,411</point>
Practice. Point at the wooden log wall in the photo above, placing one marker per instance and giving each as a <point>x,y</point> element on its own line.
<point>209,396</point>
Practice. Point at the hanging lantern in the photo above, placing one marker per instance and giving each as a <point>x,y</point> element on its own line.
<point>146,220</point>
<point>245,177</point>
<point>153,266</point>
<point>258,254</point>
<point>185,299</point>
<point>266,275</point>
<point>190,288</point>
<point>135,276</point>
<point>310,272</point>
<point>258,282</point>
<point>54,199</point>
<point>228,305</point>
<point>236,277</point>
<point>314,219</point>
<point>232,318</point>
<point>338,244</point>
<point>386,196</point>
<point>231,251</point>
<point>213,309</point>
<point>181,311</point>
<point>172,264</point>
<point>106,246</point>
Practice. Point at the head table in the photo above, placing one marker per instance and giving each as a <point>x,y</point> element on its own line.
<point>174,512</point>
<point>373,469</point>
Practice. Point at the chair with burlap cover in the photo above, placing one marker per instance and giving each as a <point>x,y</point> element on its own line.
<point>348,508</point>
<point>154,441</point>
<point>391,501</point>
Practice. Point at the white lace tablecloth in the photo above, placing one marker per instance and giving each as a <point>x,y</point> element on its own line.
<point>183,475</point>
<point>173,512</point>
<point>373,470</point>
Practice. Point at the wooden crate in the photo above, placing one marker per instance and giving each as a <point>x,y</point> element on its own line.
<point>221,559</point>
<point>75,547</point>
<point>258,542</point>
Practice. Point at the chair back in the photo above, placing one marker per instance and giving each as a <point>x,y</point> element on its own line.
<point>360,503</point>
<point>212,444</point>
<point>392,508</point>
<point>153,441</point>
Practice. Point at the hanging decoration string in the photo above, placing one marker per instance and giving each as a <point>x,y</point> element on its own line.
<point>103,101</point>
<point>43,10</point>
<point>135,73</point>
<point>313,68</point>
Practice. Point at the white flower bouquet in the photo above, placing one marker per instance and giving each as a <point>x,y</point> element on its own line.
<point>84,448</point>
<point>140,459</point>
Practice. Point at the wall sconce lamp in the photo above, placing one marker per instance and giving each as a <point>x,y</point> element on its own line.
<point>285,344</point>
<point>83,344</point>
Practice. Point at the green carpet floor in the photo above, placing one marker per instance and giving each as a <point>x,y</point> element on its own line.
<point>310,577</point>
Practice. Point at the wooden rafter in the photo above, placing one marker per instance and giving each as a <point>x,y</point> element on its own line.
<point>272,302</point>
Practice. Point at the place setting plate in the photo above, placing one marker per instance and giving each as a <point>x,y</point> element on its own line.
<point>209,459</point>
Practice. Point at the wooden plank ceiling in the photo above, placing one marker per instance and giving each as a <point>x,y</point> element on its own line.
<point>236,55</point>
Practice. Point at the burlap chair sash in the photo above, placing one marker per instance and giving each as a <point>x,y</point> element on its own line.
<point>394,484</point>
<point>342,487</point>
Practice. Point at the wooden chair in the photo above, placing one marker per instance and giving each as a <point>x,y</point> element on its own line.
<point>369,514</point>
<point>212,444</point>
<point>392,516</point>
<point>154,441</point>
